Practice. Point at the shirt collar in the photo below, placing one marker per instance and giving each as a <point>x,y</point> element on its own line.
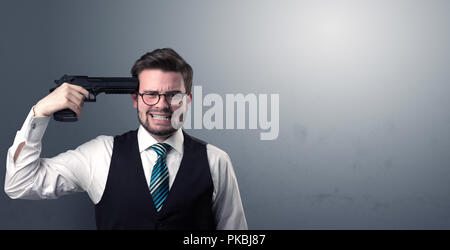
<point>145,140</point>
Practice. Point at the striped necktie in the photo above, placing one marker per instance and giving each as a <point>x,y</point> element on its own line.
<point>159,183</point>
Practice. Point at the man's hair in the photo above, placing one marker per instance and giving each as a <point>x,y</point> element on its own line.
<point>165,59</point>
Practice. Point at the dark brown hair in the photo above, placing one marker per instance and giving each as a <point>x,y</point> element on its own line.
<point>165,59</point>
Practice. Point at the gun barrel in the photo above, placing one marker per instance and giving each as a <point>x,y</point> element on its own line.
<point>113,82</point>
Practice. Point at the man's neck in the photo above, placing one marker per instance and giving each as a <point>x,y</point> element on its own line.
<point>160,138</point>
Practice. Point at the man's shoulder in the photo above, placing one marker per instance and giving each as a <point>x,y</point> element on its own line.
<point>128,134</point>
<point>104,138</point>
<point>190,138</point>
<point>101,140</point>
<point>216,154</point>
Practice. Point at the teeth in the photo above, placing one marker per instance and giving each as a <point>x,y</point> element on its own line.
<point>160,117</point>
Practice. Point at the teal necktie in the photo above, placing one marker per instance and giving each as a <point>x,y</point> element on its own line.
<point>159,183</point>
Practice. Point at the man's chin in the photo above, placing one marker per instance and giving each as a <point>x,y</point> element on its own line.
<point>159,132</point>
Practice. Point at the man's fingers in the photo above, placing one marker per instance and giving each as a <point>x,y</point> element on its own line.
<point>75,102</point>
<point>80,90</point>
<point>76,97</point>
<point>75,108</point>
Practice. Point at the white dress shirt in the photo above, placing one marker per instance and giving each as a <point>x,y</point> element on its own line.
<point>86,169</point>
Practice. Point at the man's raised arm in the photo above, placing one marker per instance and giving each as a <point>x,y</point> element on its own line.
<point>30,177</point>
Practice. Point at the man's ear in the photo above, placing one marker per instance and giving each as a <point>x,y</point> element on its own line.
<point>134,98</point>
<point>189,100</point>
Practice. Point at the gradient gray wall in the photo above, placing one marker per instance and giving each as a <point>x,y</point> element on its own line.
<point>364,137</point>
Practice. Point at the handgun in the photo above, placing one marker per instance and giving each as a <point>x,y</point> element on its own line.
<point>95,86</point>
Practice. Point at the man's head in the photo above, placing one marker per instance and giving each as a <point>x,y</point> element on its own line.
<point>161,71</point>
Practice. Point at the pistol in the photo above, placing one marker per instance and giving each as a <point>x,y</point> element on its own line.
<point>95,86</point>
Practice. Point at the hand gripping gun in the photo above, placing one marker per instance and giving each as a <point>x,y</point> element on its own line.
<point>95,86</point>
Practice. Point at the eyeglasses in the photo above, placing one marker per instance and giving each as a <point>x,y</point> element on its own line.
<point>152,98</point>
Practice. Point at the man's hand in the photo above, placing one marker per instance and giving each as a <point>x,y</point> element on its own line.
<point>65,96</point>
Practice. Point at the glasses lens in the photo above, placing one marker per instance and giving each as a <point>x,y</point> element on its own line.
<point>177,99</point>
<point>150,99</point>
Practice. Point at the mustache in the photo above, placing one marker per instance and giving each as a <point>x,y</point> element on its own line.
<point>166,111</point>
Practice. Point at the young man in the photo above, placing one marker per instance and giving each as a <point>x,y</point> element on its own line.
<point>155,177</point>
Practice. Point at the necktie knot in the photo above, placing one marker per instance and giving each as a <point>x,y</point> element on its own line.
<point>161,149</point>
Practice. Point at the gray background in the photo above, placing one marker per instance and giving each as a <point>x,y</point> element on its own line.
<point>364,137</point>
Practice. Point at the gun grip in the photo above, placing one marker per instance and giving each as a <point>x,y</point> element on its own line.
<point>65,115</point>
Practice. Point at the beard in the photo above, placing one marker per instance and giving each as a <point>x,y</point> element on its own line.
<point>144,121</point>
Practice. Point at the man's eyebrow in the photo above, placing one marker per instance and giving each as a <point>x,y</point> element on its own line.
<point>173,92</point>
<point>149,91</point>
<point>168,92</point>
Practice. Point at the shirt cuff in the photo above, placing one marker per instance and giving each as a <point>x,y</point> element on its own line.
<point>34,127</point>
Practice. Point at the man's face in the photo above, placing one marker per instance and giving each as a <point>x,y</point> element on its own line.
<point>157,119</point>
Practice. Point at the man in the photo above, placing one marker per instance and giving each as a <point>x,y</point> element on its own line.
<point>155,177</point>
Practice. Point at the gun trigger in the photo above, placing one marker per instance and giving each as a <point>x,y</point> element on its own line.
<point>92,97</point>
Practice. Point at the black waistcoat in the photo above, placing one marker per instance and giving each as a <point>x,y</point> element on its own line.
<point>127,203</point>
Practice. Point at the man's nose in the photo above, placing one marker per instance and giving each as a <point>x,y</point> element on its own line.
<point>162,103</point>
